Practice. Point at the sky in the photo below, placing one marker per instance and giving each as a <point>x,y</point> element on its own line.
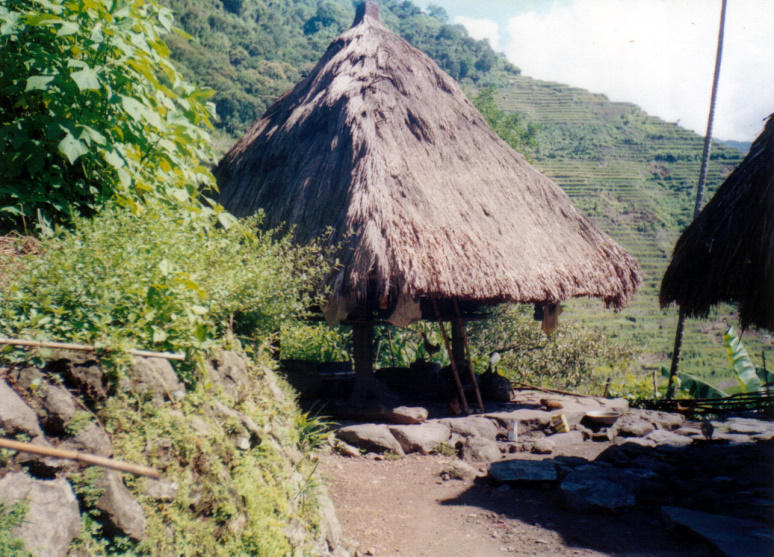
<point>657,54</point>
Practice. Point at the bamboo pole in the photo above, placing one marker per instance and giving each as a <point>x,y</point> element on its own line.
<point>87,348</point>
<point>456,376</point>
<point>87,458</point>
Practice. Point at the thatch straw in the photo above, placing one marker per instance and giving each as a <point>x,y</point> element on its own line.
<point>727,253</point>
<point>382,148</point>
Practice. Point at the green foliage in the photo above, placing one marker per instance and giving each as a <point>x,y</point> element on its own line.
<point>91,109</point>
<point>743,368</point>
<point>315,342</point>
<point>10,517</point>
<point>566,359</point>
<point>694,386</point>
<point>512,128</point>
<point>161,282</point>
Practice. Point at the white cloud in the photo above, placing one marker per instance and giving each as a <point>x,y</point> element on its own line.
<point>658,54</point>
<point>481,29</point>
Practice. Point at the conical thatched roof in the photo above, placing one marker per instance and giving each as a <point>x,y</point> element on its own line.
<point>727,253</point>
<point>383,148</point>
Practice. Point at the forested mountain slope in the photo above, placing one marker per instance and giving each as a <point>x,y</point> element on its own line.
<point>634,174</point>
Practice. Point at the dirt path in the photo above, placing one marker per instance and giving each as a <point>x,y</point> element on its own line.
<point>403,507</point>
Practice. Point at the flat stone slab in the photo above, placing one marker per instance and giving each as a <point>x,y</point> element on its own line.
<point>748,426</point>
<point>734,537</point>
<point>663,437</point>
<point>523,471</point>
<point>15,415</point>
<point>591,488</point>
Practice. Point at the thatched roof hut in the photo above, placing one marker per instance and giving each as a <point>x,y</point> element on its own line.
<point>727,253</point>
<point>382,151</point>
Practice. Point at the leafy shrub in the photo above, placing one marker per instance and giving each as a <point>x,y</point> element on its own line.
<point>159,281</point>
<point>565,359</point>
<point>91,108</point>
<point>10,517</point>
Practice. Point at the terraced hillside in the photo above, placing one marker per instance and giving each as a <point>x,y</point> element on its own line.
<point>636,176</point>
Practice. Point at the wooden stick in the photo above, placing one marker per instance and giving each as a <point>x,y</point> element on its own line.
<point>467,356</point>
<point>87,348</point>
<point>456,376</point>
<point>135,469</point>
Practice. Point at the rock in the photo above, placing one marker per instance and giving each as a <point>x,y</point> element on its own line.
<point>663,437</point>
<point>634,427</point>
<point>40,466</point>
<point>52,520</point>
<point>372,437</point>
<point>91,439</point>
<point>81,371</point>
<point>748,426</point>
<point>15,415</point>
<point>459,470</point>
<point>523,471</point>
<point>565,439</point>
<point>665,420</point>
<point>587,488</point>
<point>481,449</point>
<point>124,515</point>
<point>634,441</point>
<point>733,438</point>
<point>160,452</point>
<point>543,446</point>
<point>223,411</point>
<point>161,489</point>
<point>156,377</point>
<point>472,426</point>
<point>422,438</point>
<point>229,370</point>
<point>26,377</point>
<point>58,408</point>
<point>734,537</point>
<point>407,415</point>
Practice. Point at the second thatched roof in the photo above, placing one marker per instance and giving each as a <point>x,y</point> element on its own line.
<point>378,148</point>
<point>727,253</point>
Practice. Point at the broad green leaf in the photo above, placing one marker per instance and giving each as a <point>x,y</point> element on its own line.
<point>113,159</point>
<point>86,79</point>
<point>740,362</point>
<point>68,28</point>
<point>165,267</point>
<point>72,148</point>
<point>39,82</point>
<point>92,135</point>
<point>166,19</point>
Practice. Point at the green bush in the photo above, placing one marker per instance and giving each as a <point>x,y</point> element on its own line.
<point>159,281</point>
<point>566,359</point>
<point>92,109</point>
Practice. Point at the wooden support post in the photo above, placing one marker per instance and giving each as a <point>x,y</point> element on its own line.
<point>460,325</point>
<point>460,390</point>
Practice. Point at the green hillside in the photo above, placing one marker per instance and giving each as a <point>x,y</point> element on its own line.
<point>636,176</point>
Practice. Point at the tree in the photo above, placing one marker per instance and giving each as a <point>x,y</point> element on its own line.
<point>510,127</point>
<point>92,109</point>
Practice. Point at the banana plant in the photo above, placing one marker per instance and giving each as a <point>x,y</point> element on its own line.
<point>695,387</point>
<point>744,369</point>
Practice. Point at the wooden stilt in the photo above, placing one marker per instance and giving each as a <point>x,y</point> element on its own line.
<point>473,378</point>
<point>460,390</point>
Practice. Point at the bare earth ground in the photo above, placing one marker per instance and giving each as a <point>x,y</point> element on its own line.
<point>404,507</point>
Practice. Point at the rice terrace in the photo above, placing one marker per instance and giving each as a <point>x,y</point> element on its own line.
<point>306,277</point>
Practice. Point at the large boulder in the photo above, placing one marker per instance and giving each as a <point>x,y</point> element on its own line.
<point>91,439</point>
<point>156,377</point>
<point>229,370</point>
<point>371,437</point>
<point>52,520</point>
<point>15,415</point>
<point>408,415</point>
<point>124,515</point>
<point>420,438</point>
<point>57,408</point>
<point>481,449</point>
<point>523,471</point>
<point>473,426</point>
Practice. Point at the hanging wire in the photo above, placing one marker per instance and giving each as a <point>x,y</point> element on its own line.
<point>699,194</point>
